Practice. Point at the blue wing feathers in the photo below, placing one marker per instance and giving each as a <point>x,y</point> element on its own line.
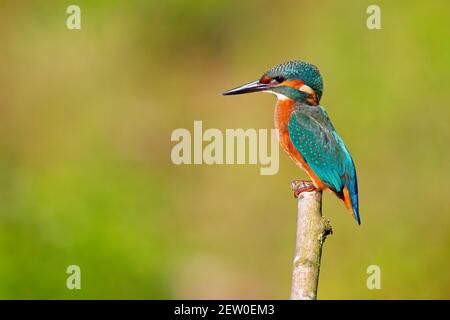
<point>313,135</point>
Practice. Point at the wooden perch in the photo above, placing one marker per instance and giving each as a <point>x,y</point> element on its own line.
<point>312,229</point>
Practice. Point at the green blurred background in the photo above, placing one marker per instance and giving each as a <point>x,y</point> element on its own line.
<point>85,170</point>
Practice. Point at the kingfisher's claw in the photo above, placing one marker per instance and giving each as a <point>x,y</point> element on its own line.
<point>299,186</point>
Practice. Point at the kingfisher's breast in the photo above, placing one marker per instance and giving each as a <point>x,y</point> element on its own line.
<point>283,112</point>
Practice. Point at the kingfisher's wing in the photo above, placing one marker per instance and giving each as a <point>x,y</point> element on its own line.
<point>313,135</point>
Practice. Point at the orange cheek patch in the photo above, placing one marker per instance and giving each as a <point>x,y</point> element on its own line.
<point>296,84</point>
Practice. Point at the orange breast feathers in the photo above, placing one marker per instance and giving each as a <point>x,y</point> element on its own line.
<point>283,112</point>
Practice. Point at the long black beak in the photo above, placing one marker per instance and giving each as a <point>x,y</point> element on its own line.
<point>254,86</point>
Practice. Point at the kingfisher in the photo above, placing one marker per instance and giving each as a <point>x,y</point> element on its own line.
<point>306,132</point>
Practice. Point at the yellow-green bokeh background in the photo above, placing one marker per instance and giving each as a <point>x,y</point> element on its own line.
<point>85,170</point>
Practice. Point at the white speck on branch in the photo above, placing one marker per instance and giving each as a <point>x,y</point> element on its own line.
<point>312,229</point>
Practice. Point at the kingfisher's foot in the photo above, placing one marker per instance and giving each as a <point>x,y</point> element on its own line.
<point>299,186</point>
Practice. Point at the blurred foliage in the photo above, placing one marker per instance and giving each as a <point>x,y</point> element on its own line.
<point>85,170</point>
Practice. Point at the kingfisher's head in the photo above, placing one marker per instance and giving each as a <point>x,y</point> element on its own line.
<point>295,80</point>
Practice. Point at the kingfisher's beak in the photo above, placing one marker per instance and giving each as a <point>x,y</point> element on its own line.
<point>254,86</point>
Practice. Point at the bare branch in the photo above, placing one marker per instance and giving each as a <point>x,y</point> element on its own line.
<point>312,229</point>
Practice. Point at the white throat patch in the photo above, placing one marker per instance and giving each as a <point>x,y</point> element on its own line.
<point>280,97</point>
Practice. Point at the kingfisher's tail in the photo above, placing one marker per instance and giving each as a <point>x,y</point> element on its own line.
<point>354,198</point>
<point>350,198</point>
<point>356,214</point>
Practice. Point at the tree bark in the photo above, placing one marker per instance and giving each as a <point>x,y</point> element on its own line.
<point>312,229</point>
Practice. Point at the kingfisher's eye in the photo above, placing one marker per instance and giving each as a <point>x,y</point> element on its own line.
<point>279,79</point>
